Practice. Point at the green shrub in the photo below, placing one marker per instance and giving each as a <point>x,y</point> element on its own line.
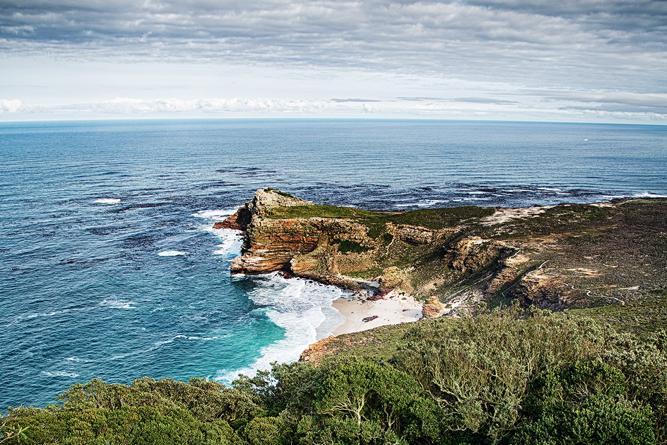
<point>584,404</point>
<point>347,246</point>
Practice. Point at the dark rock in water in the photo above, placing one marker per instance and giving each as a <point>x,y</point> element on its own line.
<point>367,319</point>
<point>239,220</point>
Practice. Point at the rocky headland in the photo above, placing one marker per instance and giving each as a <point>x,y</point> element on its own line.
<point>463,259</point>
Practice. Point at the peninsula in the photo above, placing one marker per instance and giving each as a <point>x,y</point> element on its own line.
<point>463,260</point>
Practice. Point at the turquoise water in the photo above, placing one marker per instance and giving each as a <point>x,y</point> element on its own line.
<point>110,267</point>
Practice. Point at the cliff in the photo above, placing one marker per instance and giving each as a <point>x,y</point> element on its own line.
<point>464,258</point>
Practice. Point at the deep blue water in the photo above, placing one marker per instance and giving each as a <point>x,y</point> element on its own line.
<point>90,212</point>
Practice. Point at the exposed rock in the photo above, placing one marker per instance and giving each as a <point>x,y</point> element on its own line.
<point>270,244</point>
<point>238,220</point>
<point>411,234</point>
<point>475,254</point>
<point>433,308</point>
<point>267,199</point>
<point>393,278</point>
<point>371,318</point>
<point>544,290</point>
<point>316,351</point>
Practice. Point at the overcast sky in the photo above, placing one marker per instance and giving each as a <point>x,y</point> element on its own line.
<point>564,60</point>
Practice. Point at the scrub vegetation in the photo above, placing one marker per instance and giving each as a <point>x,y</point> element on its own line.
<point>505,378</point>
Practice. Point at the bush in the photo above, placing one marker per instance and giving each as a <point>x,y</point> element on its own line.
<point>581,404</point>
<point>495,379</point>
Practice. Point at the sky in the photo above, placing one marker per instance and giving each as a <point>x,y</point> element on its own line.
<point>565,60</point>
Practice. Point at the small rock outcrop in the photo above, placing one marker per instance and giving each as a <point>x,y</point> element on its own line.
<point>433,308</point>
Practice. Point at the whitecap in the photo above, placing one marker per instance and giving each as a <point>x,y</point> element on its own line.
<point>231,240</point>
<point>107,201</point>
<point>301,308</point>
<point>214,214</point>
<point>118,304</point>
<point>421,204</point>
<point>183,337</point>
<point>550,189</point>
<point>648,195</point>
<point>172,253</point>
<point>68,374</point>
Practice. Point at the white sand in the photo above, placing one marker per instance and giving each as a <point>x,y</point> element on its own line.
<point>392,309</point>
<point>501,216</point>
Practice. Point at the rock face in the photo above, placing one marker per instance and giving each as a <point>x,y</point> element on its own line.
<point>238,220</point>
<point>460,259</point>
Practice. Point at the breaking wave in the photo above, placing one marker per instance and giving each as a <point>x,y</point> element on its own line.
<point>303,308</point>
<point>107,201</point>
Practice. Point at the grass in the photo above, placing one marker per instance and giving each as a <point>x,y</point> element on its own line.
<point>376,221</point>
<point>640,316</point>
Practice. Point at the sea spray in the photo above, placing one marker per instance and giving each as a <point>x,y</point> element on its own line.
<point>231,240</point>
<point>301,307</point>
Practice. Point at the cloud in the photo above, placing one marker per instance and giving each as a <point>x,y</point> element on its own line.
<point>354,100</point>
<point>10,105</point>
<point>472,100</point>
<point>457,108</point>
<point>534,51</point>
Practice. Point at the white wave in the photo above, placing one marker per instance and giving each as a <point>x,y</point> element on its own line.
<point>67,374</point>
<point>550,189</point>
<point>214,214</point>
<point>296,305</point>
<point>423,203</point>
<point>648,195</point>
<point>40,314</point>
<point>171,253</point>
<point>118,304</point>
<point>107,201</point>
<point>183,337</point>
<point>231,240</point>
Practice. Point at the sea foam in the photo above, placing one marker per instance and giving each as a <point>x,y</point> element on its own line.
<point>296,305</point>
<point>107,201</point>
<point>67,374</point>
<point>231,240</point>
<point>118,304</point>
<point>172,253</point>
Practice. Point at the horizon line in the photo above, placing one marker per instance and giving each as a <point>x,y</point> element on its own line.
<point>321,118</point>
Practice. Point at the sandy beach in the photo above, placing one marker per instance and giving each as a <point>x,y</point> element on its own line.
<point>394,308</point>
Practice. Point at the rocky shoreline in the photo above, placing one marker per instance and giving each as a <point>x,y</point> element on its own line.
<point>462,260</point>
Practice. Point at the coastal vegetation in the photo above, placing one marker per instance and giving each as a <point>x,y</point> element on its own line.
<point>510,377</point>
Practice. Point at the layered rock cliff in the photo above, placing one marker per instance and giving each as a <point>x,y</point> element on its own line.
<point>465,258</point>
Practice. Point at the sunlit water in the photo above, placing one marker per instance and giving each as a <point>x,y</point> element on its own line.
<point>110,267</point>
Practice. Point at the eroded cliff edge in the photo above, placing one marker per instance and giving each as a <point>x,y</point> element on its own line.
<point>463,259</point>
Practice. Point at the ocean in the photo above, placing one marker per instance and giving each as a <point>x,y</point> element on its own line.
<point>111,269</point>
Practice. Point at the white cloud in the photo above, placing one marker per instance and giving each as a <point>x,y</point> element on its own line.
<point>524,58</point>
<point>10,105</point>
